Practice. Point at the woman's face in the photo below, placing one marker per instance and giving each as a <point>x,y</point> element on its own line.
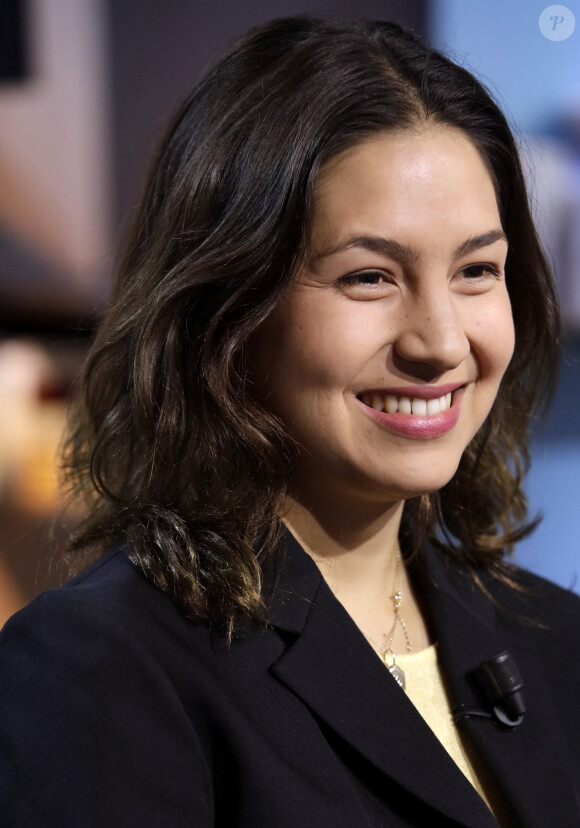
<point>386,354</point>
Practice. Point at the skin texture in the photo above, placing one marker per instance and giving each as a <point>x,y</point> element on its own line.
<point>428,310</point>
<point>427,321</point>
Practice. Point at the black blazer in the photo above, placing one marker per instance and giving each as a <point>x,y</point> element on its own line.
<point>117,711</point>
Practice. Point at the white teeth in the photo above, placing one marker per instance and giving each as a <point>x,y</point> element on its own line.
<point>377,402</point>
<point>417,406</point>
<point>433,407</point>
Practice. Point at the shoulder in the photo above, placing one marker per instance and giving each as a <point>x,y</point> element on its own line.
<point>529,608</point>
<point>107,612</point>
<point>537,613</point>
<point>543,601</point>
<point>92,683</point>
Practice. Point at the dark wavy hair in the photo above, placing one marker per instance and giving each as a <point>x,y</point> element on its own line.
<point>171,450</point>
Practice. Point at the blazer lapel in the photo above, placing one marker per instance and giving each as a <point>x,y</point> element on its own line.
<point>527,764</point>
<point>330,666</point>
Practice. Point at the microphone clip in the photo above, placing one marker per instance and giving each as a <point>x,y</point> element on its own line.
<point>501,684</point>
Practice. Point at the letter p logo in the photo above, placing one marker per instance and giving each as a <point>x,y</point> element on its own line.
<point>557,22</point>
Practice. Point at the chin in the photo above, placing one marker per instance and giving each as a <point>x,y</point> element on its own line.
<point>422,482</point>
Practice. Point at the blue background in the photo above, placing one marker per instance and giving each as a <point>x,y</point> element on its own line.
<point>534,79</point>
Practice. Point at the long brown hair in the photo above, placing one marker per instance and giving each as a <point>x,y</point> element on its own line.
<point>171,450</point>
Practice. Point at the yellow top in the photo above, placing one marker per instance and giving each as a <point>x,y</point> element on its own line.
<point>424,687</point>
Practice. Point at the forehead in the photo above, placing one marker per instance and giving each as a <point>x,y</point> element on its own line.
<point>406,180</point>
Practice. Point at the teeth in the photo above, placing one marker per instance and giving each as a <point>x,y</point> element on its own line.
<point>377,402</point>
<point>432,407</point>
<point>419,408</point>
<point>416,406</point>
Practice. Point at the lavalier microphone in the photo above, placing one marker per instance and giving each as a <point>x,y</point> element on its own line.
<point>501,684</point>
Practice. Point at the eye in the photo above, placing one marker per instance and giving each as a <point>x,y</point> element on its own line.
<point>366,284</point>
<point>364,277</point>
<point>478,278</point>
<point>481,271</point>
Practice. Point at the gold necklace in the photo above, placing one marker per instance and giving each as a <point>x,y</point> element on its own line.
<point>386,653</point>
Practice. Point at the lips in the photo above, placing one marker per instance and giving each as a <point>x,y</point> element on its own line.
<point>420,413</point>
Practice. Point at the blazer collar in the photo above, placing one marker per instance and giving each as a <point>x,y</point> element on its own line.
<point>333,669</point>
<point>329,664</point>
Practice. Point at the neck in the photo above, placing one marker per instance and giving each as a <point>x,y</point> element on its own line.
<point>356,553</point>
<point>347,546</point>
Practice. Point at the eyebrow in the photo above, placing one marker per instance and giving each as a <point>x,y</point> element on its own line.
<point>477,242</point>
<point>404,253</point>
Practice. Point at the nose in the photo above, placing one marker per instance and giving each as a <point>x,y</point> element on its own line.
<point>432,332</point>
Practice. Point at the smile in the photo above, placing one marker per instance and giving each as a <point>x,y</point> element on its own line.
<point>415,406</point>
<point>406,414</point>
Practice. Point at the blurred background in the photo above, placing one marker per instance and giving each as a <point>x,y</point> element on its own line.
<point>85,89</point>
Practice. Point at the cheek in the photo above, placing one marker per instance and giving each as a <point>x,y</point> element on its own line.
<point>282,357</point>
<point>510,347</point>
<point>496,339</point>
<point>311,342</point>
<point>505,340</point>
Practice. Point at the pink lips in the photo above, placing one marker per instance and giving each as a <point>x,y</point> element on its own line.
<point>412,426</point>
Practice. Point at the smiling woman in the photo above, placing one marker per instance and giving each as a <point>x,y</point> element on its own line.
<point>300,438</point>
<point>386,354</point>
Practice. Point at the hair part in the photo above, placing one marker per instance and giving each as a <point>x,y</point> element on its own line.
<point>168,443</point>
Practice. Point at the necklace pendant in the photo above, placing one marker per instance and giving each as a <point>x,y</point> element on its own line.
<point>398,675</point>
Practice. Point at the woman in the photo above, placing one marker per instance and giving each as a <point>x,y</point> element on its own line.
<point>301,434</point>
